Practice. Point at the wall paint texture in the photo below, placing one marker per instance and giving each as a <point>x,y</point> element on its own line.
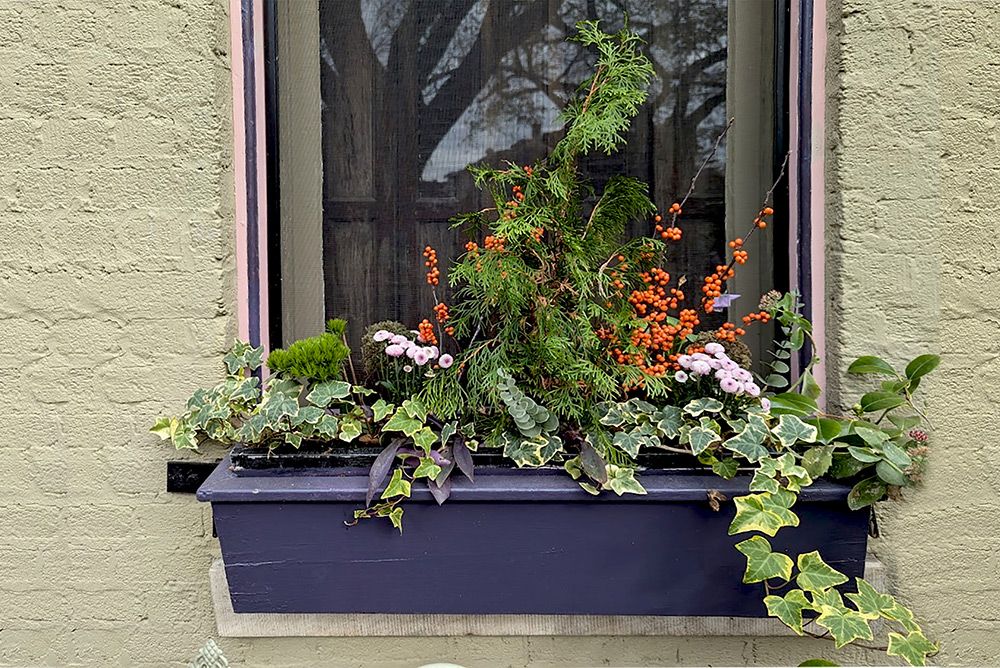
<point>117,298</point>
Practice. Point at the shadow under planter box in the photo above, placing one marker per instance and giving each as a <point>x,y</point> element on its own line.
<point>513,542</point>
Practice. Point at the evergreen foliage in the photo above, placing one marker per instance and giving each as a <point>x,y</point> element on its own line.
<point>532,299</point>
<point>318,358</point>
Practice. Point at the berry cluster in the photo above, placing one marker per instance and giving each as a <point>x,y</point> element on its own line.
<point>433,273</point>
<point>494,243</point>
<point>426,330</point>
<point>441,311</point>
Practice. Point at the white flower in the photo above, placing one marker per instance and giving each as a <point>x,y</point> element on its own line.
<point>435,352</point>
<point>411,351</point>
<point>700,356</point>
<point>446,361</point>
<point>398,339</point>
<point>729,365</point>
<point>743,375</point>
<point>714,348</point>
<point>723,373</point>
<point>407,368</point>
<point>714,363</point>
<point>765,403</point>
<point>382,335</point>
<point>395,350</point>
<point>752,389</point>
<point>700,367</point>
<point>431,351</point>
<point>681,377</point>
<point>421,356</point>
<point>684,361</point>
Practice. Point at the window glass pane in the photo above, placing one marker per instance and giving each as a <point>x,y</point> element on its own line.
<point>413,91</point>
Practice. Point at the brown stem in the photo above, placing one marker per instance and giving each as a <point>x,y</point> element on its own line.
<point>708,159</point>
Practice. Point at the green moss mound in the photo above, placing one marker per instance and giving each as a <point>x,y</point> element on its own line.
<point>373,355</point>
<point>317,358</point>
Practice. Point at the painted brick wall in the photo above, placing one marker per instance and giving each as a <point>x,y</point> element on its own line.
<point>117,297</point>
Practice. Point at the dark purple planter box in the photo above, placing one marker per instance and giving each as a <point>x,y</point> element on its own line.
<point>515,542</point>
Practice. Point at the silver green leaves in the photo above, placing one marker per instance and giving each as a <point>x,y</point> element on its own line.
<point>531,419</point>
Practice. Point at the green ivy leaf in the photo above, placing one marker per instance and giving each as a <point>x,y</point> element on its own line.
<point>530,452</point>
<point>762,563</point>
<point>396,517</point>
<point>400,421</point>
<point>704,435</point>
<point>788,608</point>
<point>349,430</point>
<point>764,512</point>
<point>817,460</point>
<point>870,603</point>
<point>815,575</point>
<point>621,480</point>
<point>164,427</point>
<point>903,615</point>
<point>914,647</point>
<point>380,409</point>
<point>327,427</point>
<point>398,486</point>
<point>668,421</point>
<point>844,626</point>
<point>627,443</point>
<point>865,493</point>
<point>703,405</point>
<point>922,366</point>
<point>725,468</point>
<point>881,401</point>
<point>414,408</point>
<point>424,438</point>
<point>325,393</point>
<point>791,430</point>
<point>871,364</point>
<point>749,441</point>
<point>427,469</point>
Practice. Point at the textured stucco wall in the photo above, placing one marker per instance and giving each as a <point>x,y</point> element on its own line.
<point>117,296</point>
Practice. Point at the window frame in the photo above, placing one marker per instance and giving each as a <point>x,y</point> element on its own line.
<point>799,93</point>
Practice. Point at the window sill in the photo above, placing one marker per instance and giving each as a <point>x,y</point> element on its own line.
<point>231,624</point>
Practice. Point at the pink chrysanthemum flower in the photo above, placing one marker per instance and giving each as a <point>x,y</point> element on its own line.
<point>445,361</point>
<point>394,350</point>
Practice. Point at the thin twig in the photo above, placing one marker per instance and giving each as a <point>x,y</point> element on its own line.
<point>704,164</point>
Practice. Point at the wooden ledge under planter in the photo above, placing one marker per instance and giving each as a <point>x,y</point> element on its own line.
<point>516,542</point>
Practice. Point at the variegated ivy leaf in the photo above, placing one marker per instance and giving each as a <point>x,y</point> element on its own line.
<point>243,355</point>
<point>627,442</point>
<point>815,575</point>
<point>349,430</point>
<point>427,469</point>
<point>448,430</point>
<point>362,391</point>
<point>400,421</point>
<point>844,626</point>
<point>788,608</point>
<point>398,486</point>
<point>164,427</point>
<point>573,467</point>
<point>613,415</point>
<point>829,597</point>
<point>796,476</point>
<point>288,387</point>
<point>725,468</point>
<point>396,517</point>
<point>870,603</point>
<point>535,451</point>
<point>307,415</point>
<point>763,478</point>
<point>762,563</point>
<point>327,427</point>
<point>903,615</point>
<point>415,409</point>
<point>247,391</point>
<point>277,406</point>
<point>621,480</point>
<point>380,409</point>
<point>668,421</point>
<point>293,440</point>
<point>424,439</point>
<point>914,647</point>
<point>703,405</point>
<point>325,393</point>
<point>791,430</point>
<point>704,435</point>
<point>749,441</point>
<point>765,512</point>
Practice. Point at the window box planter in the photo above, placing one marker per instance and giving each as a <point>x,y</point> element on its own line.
<point>514,542</point>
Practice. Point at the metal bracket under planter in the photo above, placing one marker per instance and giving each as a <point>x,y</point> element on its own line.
<point>232,624</point>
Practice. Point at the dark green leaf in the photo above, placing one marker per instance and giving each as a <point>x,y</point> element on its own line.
<point>880,401</point>
<point>871,364</point>
<point>922,366</point>
<point>891,473</point>
<point>827,428</point>
<point>846,466</point>
<point>865,493</point>
<point>792,403</point>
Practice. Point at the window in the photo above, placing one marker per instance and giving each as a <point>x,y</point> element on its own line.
<point>381,104</point>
